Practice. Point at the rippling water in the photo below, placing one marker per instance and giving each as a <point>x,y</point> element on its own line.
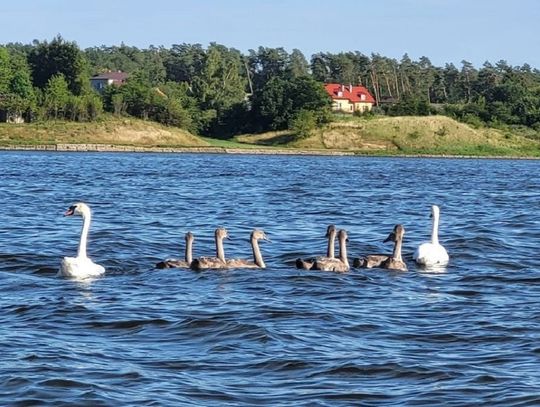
<point>467,335</point>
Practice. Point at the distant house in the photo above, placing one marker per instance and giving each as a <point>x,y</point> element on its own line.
<point>349,98</point>
<point>102,80</point>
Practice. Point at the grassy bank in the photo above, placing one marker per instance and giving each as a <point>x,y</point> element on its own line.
<point>433,135</point>
<point>110,130</point>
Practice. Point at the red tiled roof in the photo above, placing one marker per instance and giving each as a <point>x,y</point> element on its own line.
<point>115,76</point>
<point>349,92</point>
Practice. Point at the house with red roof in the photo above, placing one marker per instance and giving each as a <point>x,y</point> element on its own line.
<point>101,81</point>
<point>349,98</point>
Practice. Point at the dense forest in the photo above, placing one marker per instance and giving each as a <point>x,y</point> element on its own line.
<point>219,91</point>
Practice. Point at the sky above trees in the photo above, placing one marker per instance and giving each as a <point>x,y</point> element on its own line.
<point>442,30</point>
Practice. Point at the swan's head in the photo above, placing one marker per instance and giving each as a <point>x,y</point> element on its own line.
<point>222,233</point>
<point>331,230</point>
<point>434,211</point>
<point>79,208</point>
<point>189,237</point>
<point>258,234</point>
<point>396,234</point>
<point>343,236</point>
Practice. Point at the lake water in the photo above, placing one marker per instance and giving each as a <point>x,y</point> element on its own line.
<point>467,335</point>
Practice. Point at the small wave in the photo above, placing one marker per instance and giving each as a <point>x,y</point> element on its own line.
<point>135,324</point>
<point>63,383</point>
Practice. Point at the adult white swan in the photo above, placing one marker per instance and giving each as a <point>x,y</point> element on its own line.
<point>80,266</point>
<point>432,253</point>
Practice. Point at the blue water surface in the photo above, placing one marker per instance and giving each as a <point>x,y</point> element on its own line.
<point>466,335</point>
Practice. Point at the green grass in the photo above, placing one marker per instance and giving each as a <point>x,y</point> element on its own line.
<point>431,135</point>
<point>227,143</point>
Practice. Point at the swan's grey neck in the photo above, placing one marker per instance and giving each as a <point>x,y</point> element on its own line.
<point>343,249</point>
<point>189,251</point>
<point>396,255</point>
<point>257,256</point>
<point>435,227</point>
<point>87,217</point>
<point>220,252</point>
<point>331,243</point>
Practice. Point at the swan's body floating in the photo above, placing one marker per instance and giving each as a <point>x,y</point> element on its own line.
<point>80,266</point>
<point>370,261</point>
<point>341,264</point>
<point>395,262</point>
<point>307,264</point>
<point>432,253</point>
<point>217,262</point>
<point>188,257</point>
<point>258,261</point>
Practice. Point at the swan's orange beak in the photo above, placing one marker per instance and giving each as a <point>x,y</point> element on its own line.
<point>70,211</point>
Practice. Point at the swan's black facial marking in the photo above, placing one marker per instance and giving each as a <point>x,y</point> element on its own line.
<point>71,210</point>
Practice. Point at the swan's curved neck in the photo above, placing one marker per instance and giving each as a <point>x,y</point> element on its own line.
<point>257,256</point>
<point>220,252</point>
<point>435,229</point>
<point>81,252</point>
<point>343,251</point>
<point>331,242</point>
<point>189,251</point>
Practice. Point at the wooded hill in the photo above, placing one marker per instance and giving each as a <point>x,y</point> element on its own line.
<point>221,92</point>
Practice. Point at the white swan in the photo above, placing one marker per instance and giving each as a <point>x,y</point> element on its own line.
<point>432,253</point>
<point>80,266</point>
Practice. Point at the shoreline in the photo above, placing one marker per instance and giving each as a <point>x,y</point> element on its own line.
<point>111,148</point>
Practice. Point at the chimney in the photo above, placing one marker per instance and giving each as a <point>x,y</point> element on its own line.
<point>350,87</point>
<point>342,87</point>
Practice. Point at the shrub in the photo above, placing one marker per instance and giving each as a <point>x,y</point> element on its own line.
<point>443,131</point>
<point>303,123</point>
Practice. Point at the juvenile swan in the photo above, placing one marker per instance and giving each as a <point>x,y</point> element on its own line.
<point>432,253</point>
<point>188,256</point>
<point>370,261</point>
<point>258,261</point>
<point>80,266</point>
<point>341,264</point>
<point>307,264</point>
<point>213,262</point>
<point>395,262</point>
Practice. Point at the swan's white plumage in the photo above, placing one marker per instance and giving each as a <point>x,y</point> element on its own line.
<point>432,253</point>
<point>82,266</point>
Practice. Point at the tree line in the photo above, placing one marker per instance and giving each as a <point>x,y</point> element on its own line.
<point>220,91</point>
